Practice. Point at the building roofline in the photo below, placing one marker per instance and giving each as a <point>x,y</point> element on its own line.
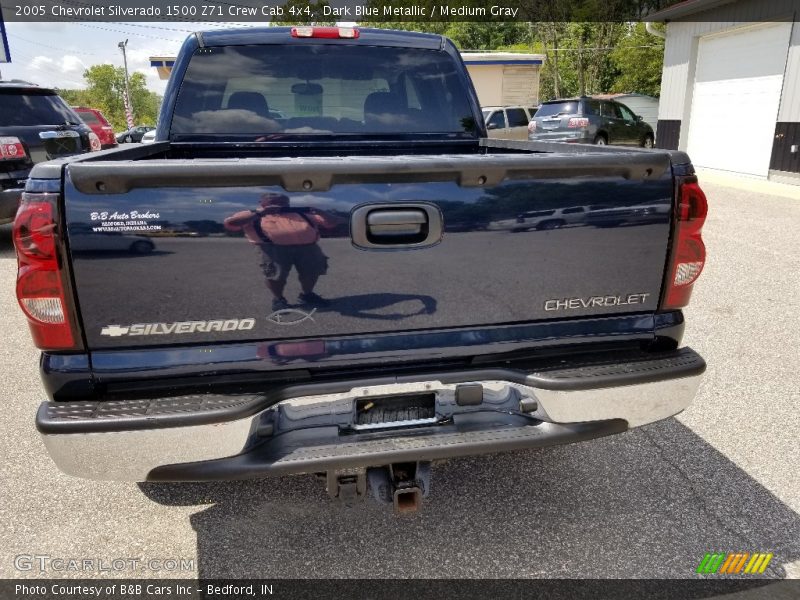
<point>685,9</point>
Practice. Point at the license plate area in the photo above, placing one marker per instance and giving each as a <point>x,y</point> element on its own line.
<point>402,410</point>
<point>61,143</point>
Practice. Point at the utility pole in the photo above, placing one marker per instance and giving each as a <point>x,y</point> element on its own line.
<point>128,105</point>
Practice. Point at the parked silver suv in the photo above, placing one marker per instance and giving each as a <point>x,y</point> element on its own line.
<point>508,122</point>
<point>588,120</point>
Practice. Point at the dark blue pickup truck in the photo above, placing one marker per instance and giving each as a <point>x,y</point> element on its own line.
<point>307,272</point>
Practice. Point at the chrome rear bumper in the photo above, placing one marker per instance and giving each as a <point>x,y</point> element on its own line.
<point>301,429</point>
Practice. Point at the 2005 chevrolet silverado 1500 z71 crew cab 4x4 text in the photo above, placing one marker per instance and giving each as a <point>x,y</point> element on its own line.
<point>323,291</point>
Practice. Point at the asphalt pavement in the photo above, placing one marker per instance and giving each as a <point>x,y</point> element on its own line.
<point>723,476</point>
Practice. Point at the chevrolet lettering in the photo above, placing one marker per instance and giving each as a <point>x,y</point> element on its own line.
<point>594,301</point>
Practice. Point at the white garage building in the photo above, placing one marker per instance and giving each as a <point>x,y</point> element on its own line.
<point>505,78</point>
<point>730,92</point>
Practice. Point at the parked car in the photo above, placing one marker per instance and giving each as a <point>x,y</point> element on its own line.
<point>508,122</point>
<point>614,216</point>
<point>83,238</point>
<point>588,120</point>
<point>36,125</point>
<point>99,124</point>
<point>175,368</point>
<point>542,219</point>
<point>149,137</point>
<point>133,134</point>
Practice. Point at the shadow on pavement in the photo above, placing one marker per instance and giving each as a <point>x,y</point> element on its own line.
<point>646,504</point>
<point>6,242</point>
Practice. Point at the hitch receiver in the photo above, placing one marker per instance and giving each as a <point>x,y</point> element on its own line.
<point>403,485</point>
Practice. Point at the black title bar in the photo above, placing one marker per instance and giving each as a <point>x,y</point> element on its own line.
<point>331,11</point>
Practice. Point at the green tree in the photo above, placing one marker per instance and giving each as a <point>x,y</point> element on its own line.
<point>638,59</point>
<point>467,35</point>
<point>105,89</point>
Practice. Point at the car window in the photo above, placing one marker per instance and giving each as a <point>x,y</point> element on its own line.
<point>497,120</point>
<point>610,110</point>
<point>626,112</point>
<point>517,117</point>
<point>88,117</point>
<point>591,108</point>
<point>321,89</point>
<point>556,108</point>
<point>571,211</point>
<point>23,108</point>
<point>532,111</point>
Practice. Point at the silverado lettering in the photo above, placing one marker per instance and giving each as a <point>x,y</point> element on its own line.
<point>183,327</point>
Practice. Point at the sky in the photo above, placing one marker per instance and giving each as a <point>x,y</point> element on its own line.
<point>56,54</point>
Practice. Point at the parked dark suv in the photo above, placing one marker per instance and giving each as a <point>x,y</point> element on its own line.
<point>35,125</point>
<point>588,120</point>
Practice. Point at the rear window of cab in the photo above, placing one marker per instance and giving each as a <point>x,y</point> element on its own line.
<point>258,90</point>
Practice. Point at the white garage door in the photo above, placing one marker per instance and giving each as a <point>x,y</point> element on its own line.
<point>736,96</point>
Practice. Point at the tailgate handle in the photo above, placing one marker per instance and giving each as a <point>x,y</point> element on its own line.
<point>396,226</point>
<point>399,222</point>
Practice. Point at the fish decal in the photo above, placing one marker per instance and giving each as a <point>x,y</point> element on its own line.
<point>290,316</point>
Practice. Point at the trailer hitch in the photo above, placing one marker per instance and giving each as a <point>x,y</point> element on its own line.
<point>403,485</point>
<point>347,485</point>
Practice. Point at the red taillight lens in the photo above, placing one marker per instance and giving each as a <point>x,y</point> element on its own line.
<point>11,148</point>
<point>94,142</point>
<point>689,252</point>
<point>576,122</point>
<point>40,290</point>
<point>325,32</point>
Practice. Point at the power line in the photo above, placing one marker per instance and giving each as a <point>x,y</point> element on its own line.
<point>22,39</point>
<point>129,33</point>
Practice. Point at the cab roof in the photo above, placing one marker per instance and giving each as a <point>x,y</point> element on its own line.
<point>283,35</point>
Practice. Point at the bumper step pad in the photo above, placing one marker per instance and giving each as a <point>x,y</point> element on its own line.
<point>324,449</point>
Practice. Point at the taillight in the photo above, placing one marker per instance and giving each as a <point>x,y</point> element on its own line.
<point>94,142</point>
<point>532,127</point>
<point>576,122</point>
<point>689,252</point>
<point>40,289</point>
<point>11,148</point>
<point>325,32</point>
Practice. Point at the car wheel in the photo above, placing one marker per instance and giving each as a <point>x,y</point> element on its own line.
<point>600,140</point>
<point>648,141</point>
<point>142,247</point>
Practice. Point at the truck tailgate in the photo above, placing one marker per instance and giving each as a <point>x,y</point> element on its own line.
<point>523,238</point>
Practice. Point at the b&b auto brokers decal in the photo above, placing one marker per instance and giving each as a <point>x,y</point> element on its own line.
<point>124,221</point>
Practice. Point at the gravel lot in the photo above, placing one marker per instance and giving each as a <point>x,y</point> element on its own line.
<point>723,476</point>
